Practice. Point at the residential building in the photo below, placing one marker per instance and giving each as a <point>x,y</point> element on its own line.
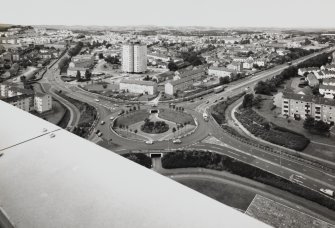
<point>329,81</point>
<point>300,106</point>
<point>137,86</point>
<point>42,102</point>
<point>197,74</point>
<point>134,57</point>
<point>23,101</point>
<point>72,71</point>
<point>182,84</point>
<point>312,80</point>
<point>260,62</point>
<point>221,72</point>
<point>302,71</point>
<point>323,74</point>
<point>330,67</point>
<point>236,66</point>
<point>248,64</point>
<point>85,61</point>
<point>327,90</point>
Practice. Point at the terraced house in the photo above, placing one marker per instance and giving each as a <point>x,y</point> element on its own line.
<point>300,106</point>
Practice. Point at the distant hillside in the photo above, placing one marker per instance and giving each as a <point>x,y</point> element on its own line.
<point>4,27</point>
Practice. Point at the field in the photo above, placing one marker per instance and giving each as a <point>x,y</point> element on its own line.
<point>281,216</point>
<point>176,116</point>
<point>225,193</point>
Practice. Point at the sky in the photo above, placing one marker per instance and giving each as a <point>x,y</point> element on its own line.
<point>217,13</point>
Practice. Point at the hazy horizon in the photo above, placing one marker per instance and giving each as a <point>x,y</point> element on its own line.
<point>211,13</point>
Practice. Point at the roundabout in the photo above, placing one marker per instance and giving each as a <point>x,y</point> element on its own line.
<point>154,124</point>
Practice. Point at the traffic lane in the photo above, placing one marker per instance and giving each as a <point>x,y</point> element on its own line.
<point>272,167</point>
<point>281,162</point>
<point>263,75</point>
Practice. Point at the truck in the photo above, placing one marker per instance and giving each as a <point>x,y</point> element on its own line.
<point>205,116</point>
<point>219,89</point>
<point>327,191</point>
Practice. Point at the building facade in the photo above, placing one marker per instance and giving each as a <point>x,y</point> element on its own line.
<point>221,72</point>
<point>42,102</point>
<point>134,58</point>
<point>301,106</point>
<point>137,86</point>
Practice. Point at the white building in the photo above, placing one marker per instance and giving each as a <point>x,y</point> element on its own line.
<point>134,57</point>
<point>42,102</point>
<point>323,74</point>
<point>72,71</point>
<point>329,81</point>
<point>327,90</point>
<point>22,102</point>
<point>137,86</point>
<point>302,71</point>
<point>221,72</point>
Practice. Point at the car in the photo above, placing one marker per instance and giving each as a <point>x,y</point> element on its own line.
<point>221,98</point>
<point>97,131</point>
<point>100,134</point>
<point>207,102</point>
<point>201,98</point>
<point>215,101</point>
<point>97,100</point>
<point>149,142</point>
<point>111,118</point>
<point>176,141</point>
<point>102,122</point>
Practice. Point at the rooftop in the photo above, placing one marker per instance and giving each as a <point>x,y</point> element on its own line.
<point>59,186</point>
<point>309,98</point>
<point>138,82</point>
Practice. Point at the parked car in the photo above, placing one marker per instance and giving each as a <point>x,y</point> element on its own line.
<point>100,134</point>
<point>97,131</point>
<point>102,122</point>
<point>97,100</point>
<point>149,142</point>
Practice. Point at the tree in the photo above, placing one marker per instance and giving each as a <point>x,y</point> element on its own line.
<point>247,101</point>
<point>309,123</point>
<point>101,56</point>
<point>172,66</point>
<point>78,76</point>
<point>174,131</point>
<point>322,127</point>
<point>224,80</point>
<point>88,75</point>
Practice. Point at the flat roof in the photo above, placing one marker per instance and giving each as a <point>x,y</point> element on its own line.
<point>67,181</point>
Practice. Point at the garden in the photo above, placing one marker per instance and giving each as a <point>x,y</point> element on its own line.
<point>260,127</point>
<point>152,127</point>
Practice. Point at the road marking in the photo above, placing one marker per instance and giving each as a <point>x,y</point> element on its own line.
<point>234,153</point>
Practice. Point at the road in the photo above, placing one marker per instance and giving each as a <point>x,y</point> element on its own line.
<point>302,174</point>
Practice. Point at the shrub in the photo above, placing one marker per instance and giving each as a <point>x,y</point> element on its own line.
<point>141,159</point>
